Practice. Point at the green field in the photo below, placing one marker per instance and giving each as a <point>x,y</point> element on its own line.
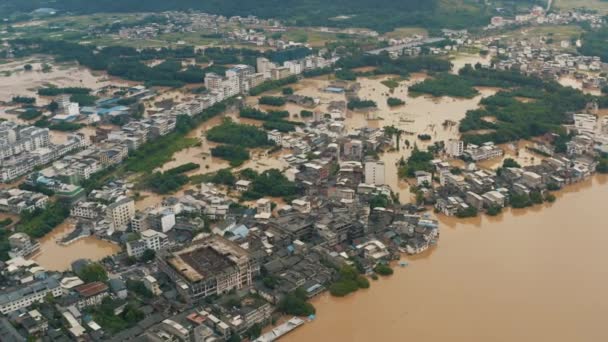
<point>597,5</point>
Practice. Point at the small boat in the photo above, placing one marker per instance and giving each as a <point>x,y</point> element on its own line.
<point>403,264</point>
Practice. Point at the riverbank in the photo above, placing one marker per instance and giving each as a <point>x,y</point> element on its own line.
<point>530,275</point>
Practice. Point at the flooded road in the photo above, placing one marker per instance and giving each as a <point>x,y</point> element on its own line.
<point>528,275</point>
<point>55,257</point>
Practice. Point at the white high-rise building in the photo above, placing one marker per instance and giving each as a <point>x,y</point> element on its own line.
<point>374,172</point>
<point>454,148</point>
<point>66,106</point>
<point>263,65</point>
<point>119,213</point>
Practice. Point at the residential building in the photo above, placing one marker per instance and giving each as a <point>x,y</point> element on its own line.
<point>454,148</point>
<point>26,295</point>
<point>119,213</point>
<point>374,172</point>
<point>150,239</point>
<point>22,245</point>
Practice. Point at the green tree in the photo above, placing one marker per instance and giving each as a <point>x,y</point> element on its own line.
<point>93,272</point>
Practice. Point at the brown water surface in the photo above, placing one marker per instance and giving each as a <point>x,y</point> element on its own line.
<point>528,275</point>
<point>56,257</point>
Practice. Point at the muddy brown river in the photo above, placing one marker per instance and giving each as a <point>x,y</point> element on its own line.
<point>528,275</point>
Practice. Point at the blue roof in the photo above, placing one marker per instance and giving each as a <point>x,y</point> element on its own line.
<point>239,231</point>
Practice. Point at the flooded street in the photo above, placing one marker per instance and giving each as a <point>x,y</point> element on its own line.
<point>55,257</point>
<point>527,275</point>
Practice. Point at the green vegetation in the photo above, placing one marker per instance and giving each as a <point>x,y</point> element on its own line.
<point>594,44</point>
<point>494,210</point>
<point>138,287</point>
<point>126,62</point>
<point>224,177</point>
<point>536,197</point>
<point>156,153</point>
<point>515,119</point>
<point>83,99</point>
<point>445,85</point>
<point>401,66</point>
<point>306,113</point>
<point>270,183</point>
<point>270,85</point>
<point>393,102</point>
<point>520,201</point>
<point>295,304</point>
<point>383,270</point>
<point>346,75</point>
<point>468,212</point>
<point>379,201</point>
<point>272,101</point>
<point>382,15</point>
<point>418,161</point>
<point>274,119</point>
<point>30,114</point>
<point>55,91</point>
<point>349,281</point>
<point>391,83</point>
<point>39,222</point>
<point>104,315</point>
<point>287,91</point>
<point>170,180</point>
<point>37,188</point>
<point>360,104</point>
<point>24,99</point>
<point>602,166</point>
<point>93,272</point>
<point>424,137</point>
<point>281,126</point>
<point>510,162</point>
<point>230,132</point>
<point>235,154</point>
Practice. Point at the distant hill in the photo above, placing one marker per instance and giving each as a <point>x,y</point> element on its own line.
<point>381,15</point>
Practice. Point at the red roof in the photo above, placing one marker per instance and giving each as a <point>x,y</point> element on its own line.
<point>91,289</point>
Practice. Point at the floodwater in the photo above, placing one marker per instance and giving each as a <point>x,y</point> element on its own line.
<point>419,115</point>
<point>536,274</point>
<point>56,257</point>
<point>14,81</point>
<point>570,81</point>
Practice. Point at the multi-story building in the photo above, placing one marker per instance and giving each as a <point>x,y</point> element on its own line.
<point>454,148</point>
<point>119,213</point>
<point>22,245</point>
<point>91,294</point>
<point>88,210</point>
<point>17,200</point>
<point>15,139</point>
<point>242,73</point>
<point>486,151</point>
<point>150,239</point>
<point>208,266</point>
<point>26,295</point>
<point>374,172</point>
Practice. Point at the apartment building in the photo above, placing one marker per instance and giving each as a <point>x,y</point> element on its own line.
<point>119,213</point>
<point>26,295</point>
<point>150,239</point>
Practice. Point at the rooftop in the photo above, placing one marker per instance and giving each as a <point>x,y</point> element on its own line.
<point>207,258</point>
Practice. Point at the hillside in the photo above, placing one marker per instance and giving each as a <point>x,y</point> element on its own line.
<point>381,15</point>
